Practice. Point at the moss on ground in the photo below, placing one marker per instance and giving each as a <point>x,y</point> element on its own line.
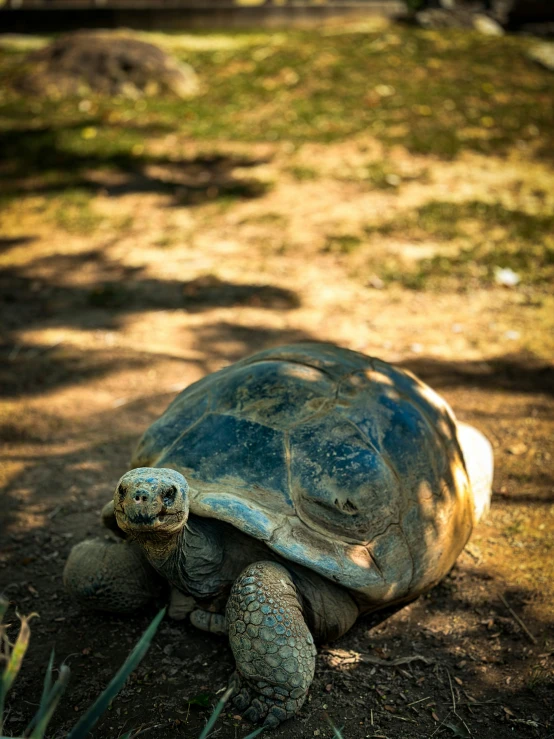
<point>489,237</point>
<point>435,93</point>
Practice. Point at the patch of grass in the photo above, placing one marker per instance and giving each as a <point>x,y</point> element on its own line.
<point>516,528</point>
<point>270,218</point>
<point>342,243</point>
<point>541,677</point>
<point>73,211</point>
<point>382,176</point>
<point>303,173</point>
<point>436,93</point>
<point>446,220</point>
<point>167,241</point>
<point>489,236</point>
<point>393,271</point>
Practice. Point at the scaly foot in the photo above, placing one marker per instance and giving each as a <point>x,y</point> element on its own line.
<point>272,645</point>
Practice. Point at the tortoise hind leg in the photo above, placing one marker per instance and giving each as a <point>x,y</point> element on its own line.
<point>272,645</point>
<point>106,575</point>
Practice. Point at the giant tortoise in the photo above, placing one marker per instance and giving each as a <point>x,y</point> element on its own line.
<point>281,498</point>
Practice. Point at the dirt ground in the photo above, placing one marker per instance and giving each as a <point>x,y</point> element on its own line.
<point>104,324</point>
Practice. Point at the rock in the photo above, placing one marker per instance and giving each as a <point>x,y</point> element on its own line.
<point>506,277</point>
<point>512,335</point>
<point>507,13</point>
<point>543,54</point>
<point>517,449</point>
<point>487,26</point>
<point>106,62</point>
<point>375,282</point>
<point>438,18</point>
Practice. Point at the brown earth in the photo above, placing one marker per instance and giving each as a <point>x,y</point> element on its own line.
<point>104,324</point>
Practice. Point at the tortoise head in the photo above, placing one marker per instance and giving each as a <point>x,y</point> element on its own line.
<point>151,500</point>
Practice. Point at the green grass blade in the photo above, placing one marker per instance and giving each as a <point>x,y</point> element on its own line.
<point>217,710</point>
<point>18,652</point>
<point>87,721</point>
<point>14,662</point>
<point>255,732</point>
<point>48,706</point>
<point>336,732</point>
<point>47,687</point>
<point>45,697</point>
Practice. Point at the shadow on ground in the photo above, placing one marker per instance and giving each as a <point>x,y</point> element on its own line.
<point>48,160</point>
<point>511,373</point>
<point>43,296</point>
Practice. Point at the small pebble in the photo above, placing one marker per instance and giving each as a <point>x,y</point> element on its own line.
<point>506,277</point>
<point>512,335</point>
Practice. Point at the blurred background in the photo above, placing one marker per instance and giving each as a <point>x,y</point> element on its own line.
<point>182,184</point>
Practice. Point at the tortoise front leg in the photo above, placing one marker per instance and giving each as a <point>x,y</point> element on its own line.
<point>272,645</point>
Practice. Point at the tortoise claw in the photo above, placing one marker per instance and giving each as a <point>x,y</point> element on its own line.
<point>255,707</point>
<point>256,712</point>
<point>241,695</point>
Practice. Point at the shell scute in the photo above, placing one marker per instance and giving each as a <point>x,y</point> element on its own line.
<point>326,358</point>
<point>234,452</point>
<point>175,422</point>
<point>275,394</point>
<point>340,484</point>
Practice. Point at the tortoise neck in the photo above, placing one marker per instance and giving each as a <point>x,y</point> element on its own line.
<point>190,560</point>
<point>161,548</point>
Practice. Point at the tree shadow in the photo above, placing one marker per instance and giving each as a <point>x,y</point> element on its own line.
<point>30,302</point>
<point>7,243</point>
<point>510,373</point>
<point>44,160</point>
<point>229,342</point>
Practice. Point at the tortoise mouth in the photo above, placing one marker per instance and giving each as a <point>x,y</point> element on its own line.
<point>163,521</point>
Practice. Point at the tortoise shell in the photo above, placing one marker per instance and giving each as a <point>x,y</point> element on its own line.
<point>337,461</point>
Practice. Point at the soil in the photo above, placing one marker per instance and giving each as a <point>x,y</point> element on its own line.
<point>103,326</point>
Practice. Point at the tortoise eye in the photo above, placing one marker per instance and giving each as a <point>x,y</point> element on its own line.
<point>122,491</point>
<point>170,495</point>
